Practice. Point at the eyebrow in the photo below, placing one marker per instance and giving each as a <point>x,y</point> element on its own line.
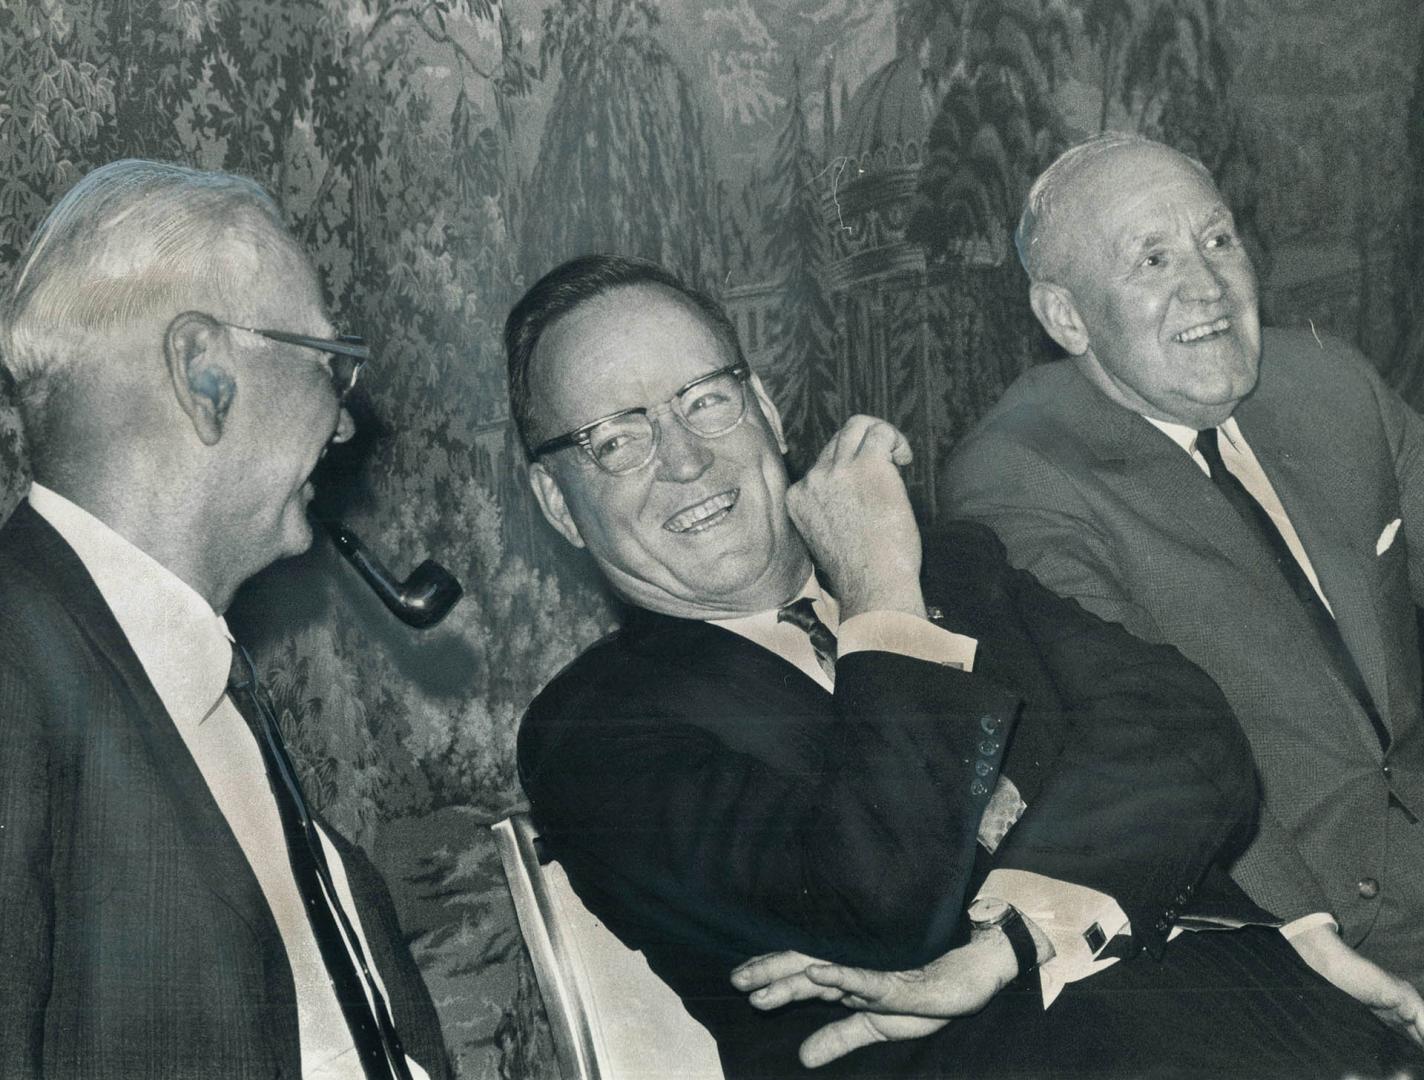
<point>1136,244</point>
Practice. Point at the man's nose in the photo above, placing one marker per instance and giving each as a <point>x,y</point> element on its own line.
<point>682,455</point>
<point>345,427</point>
<point>1200,280</point>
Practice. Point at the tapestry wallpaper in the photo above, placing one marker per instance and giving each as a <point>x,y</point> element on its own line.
<point>843,173</point>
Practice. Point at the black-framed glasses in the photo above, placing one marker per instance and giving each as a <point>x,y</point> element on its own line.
<point>346,354</point>
<point>709,406</point>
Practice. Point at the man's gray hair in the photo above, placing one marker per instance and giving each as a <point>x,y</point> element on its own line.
<point>132,239</point>
<point>1048,195</point>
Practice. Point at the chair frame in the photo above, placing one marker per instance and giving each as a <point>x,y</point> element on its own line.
<point>574,1042</point>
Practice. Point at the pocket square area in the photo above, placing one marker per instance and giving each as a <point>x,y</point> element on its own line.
<point>1386,538</point>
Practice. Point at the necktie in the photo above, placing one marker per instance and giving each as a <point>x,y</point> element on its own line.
<point>1260,523</point>
<point>802,615</point>
<point>377,1044</point>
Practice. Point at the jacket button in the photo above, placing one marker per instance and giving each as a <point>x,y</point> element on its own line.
<point>1369,888</point>
<point>1385,769</point>
<point>990,724</point>
<point>989,747</point>
<point>978,788</point>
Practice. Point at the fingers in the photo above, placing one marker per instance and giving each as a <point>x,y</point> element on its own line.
<point>839,1039</point>
<point>762,970</point>
<point>867,989</point>
<point>1408,1009</point>
<point>869,436</point>
<point>792,988</point>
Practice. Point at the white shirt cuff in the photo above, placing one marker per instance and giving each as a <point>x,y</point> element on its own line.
<point>908,635</point>
<point>1064,912</point>
<point>1296,927</point>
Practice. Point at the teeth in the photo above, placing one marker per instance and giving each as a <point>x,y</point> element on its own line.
<point>1196,333</point>
<point>688,520</point>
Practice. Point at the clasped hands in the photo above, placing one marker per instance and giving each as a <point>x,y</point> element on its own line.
<point>889,1005</point>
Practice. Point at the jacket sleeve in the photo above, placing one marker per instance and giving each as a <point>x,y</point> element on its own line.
<point>26,888</point>
<point>1155,780</point>
<point>864,858</point>
<point>1033,507</point>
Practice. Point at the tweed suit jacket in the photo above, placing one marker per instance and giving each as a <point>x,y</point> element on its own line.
<point>134,937</point>
<point>1105,508</point>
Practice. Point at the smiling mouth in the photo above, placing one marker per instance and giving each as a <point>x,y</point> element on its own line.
<point>1203,332</point>
<point>704,515</point>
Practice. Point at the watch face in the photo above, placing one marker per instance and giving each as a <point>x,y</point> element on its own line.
<point>988,911</point>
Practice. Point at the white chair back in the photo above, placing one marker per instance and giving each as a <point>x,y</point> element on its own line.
<point>611,1017</point>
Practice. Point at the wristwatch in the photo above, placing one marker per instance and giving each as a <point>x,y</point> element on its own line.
<point>989,912</point>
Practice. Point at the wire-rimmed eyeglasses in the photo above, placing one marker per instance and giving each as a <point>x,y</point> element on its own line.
<point>709,406</point>
<point>346,354</point>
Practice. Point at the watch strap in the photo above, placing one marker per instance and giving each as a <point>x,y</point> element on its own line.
<point>1021,941</point>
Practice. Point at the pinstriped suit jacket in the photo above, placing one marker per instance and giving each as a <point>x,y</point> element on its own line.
<point>134,938</point>
<point>1104,508</point>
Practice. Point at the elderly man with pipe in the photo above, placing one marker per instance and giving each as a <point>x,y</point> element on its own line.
<point>169,905</point>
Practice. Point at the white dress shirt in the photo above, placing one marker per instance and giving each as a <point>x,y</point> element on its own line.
<point>1062,910</point>
<point>1241,461</point>
<point>186,652</point>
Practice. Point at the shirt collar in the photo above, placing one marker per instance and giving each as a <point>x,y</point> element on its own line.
<point>184,646</point>
<point>1186,437</point>
<point>785,639</point>
<point>822,602</point>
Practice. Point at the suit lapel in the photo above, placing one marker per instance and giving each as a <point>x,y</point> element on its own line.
<point>1326,536</point>
<point>1159,475</point>
<point>744,694</point>
<point>228,873</point>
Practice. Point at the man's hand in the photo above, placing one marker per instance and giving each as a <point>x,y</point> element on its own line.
<point>890,1005</point>
<point>1392,999</point>
<point>852,510</point>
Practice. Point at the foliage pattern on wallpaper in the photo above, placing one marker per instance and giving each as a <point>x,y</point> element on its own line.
<point>436,155</point>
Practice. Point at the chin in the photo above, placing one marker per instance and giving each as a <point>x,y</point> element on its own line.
<point>297,534</point>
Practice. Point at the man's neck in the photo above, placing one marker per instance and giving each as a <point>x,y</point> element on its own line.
<point>155,529</point>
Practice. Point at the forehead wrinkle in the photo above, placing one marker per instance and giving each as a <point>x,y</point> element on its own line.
<point>604,361</point>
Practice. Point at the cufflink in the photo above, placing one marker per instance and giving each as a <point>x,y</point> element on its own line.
<point>1096,938</point>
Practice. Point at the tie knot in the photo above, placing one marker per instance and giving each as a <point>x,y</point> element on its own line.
<point>1209,449</point>
<point>802,614</point>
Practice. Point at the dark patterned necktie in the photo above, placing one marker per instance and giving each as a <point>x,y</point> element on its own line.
<point>374,1035</point>
<point>802,615</point>
<point>1259,521</point>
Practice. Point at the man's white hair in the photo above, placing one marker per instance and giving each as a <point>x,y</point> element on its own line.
<point>132,240</point>
<point>1049,195</point>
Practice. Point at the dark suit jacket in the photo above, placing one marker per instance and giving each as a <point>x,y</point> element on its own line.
<point>134,938</point>
<point>711,802</point>
<point>1104,508</point>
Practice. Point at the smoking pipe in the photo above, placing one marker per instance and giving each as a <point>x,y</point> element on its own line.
<point>421,600</point>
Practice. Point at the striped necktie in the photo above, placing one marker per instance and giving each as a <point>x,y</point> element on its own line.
<point>802,615</point>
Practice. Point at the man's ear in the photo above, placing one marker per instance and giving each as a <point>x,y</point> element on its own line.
<point>194,347</point>
<point>768,410</point>
<point>551,501</point>
<point>1056,310</point>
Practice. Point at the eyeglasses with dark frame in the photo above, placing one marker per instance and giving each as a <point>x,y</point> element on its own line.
<point>347,354</point>
<point>709,406</point>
